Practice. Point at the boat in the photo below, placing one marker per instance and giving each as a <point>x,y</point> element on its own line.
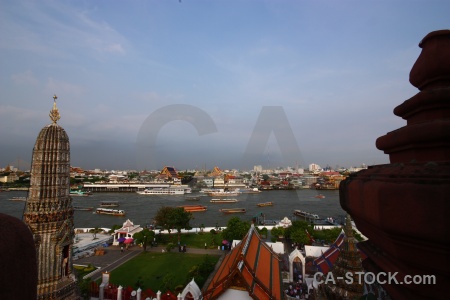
<point>232,210</point>
<point>265,204</point>
<point>208,190</point>
<point>109,211</point>
<point>109,204</point>
<point>305,214</point>
<point>79,193</point>
<point>223,193</point>
<point>250,191</point>
<point>18,199</point>
<point>86,208</point>
<point>192,198</point>
<point>223,200</point>
<point>163,191</point>
<point>321,196</point>
<point>194,208</point>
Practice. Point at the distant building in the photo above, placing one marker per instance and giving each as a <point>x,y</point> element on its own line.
<point>257,168</point>
<point>314,168</point>
<point>169,174</point>
<point>9,178</point>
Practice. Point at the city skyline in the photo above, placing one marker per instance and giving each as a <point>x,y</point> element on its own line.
<point>151,71</point>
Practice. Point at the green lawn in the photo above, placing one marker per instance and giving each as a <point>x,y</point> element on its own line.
<point>193,240</point>
<point>160,271</point>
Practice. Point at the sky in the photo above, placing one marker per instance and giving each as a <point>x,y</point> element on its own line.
<point>197,84</point>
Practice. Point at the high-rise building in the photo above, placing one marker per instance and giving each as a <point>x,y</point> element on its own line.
<point>49,212</point>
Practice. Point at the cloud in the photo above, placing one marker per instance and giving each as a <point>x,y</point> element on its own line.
<point>25,78</point>
<point>56,29</point>
<point>60,87</point>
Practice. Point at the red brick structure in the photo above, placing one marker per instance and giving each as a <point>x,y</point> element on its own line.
<point>403,207</point>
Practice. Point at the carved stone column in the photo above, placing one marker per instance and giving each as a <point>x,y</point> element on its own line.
<point>403,207</point>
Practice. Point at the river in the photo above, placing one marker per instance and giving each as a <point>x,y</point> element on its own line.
<point>141,209</point>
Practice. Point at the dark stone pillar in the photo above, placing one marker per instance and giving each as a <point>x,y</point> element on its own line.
<point>18,274</point>
<point>403,207</point>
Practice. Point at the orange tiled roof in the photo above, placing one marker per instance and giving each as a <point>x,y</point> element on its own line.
<point>216,172</point>
<point>169,172</point>
<point>251,265</point>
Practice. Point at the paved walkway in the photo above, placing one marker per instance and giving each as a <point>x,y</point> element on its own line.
<point>113,257</point>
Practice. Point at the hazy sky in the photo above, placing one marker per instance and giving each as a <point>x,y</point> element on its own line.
<point>194,84</point>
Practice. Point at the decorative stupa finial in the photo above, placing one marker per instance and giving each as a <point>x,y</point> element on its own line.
<point>348,226</point>
<point>54,113</point>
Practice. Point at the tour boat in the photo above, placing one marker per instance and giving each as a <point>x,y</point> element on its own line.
<point>305,214</point>
<point>18,199</point>
<point>89,208</point>
<point>223,200</point>
<point>223,193</point>
<point>109,211</point>
<point>79,193</point>
<point>109,204</point>
<point>194,208</point>
<point>250,191</point>
<point>163,191</point>
<point>265,204</point>
<point>232,210</point>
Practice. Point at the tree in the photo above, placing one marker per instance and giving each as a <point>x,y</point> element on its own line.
<point>180,220</point>
<point>144,237</point>
<point>173,218</point>
<point>276,232</point>
<point>300,236</point>
<point>94,232</point>
<point>162,217</point>
<point>236,229</point>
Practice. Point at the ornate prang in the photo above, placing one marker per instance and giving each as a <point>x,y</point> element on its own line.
<point>54,113</point>
<point>49,212</point>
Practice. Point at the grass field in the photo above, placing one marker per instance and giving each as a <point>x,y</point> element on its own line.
<point>159,271</point>
<point>193,240</point>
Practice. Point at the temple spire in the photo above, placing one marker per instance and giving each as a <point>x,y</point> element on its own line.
<point>54,113</point>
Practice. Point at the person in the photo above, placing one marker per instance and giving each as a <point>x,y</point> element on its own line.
<point>121,249</point>
<point>205,245</point>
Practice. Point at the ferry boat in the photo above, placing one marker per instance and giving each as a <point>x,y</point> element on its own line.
<point>223,200</point>
<point>232,210</point>
<point>305,214</point>
<point>250,191</point>
<point>163,191</point>
<point>83,208</point>
<point>109,203</point>
<point>18,199</point>
<point>109,211</point>
<point>265,204</point>
<point>223,193</point>
<point>79,193</point>
<point>194,208</point>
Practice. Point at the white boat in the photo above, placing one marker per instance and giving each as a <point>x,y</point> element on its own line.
<point>79,193</point>
<point>305,214</point>
<point>18,199</point>
<point>163,191</point>
<point>250,191</point>
<point>223,193</point>
<point>110,211</point>
<point>222,200</point>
